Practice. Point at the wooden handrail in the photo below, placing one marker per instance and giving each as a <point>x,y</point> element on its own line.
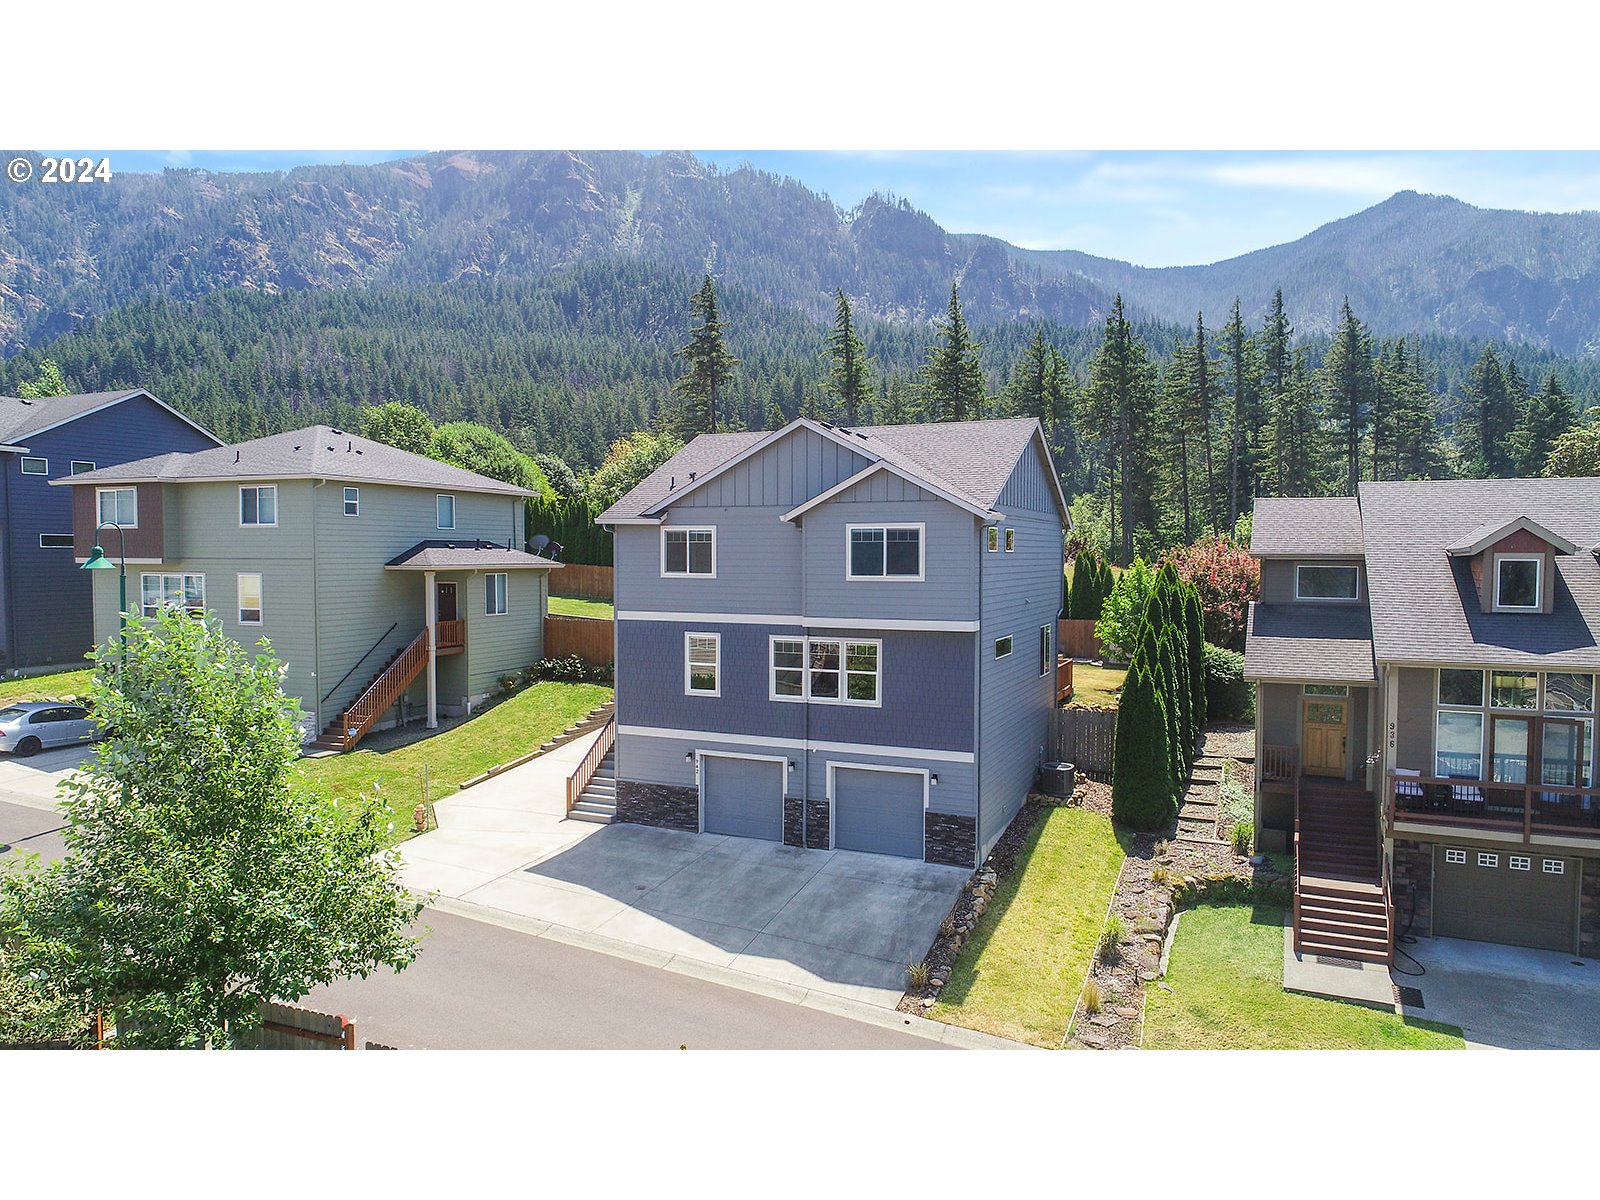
<point>381,694</point>
<point>1423,803</point>
<point>584,771</point>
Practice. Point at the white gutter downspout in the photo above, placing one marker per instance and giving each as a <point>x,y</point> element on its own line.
<point>430,606</point>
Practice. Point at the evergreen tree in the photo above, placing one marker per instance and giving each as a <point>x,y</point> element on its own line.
<point>1195,627</point>
<point>1488,419</point>
<point>710,367</point>
<point>1176,411</point>
<point>951,378</point>
<point>1244,424</point>
<point>1141,781</point>
<point>1031,392</point>
<point>1120,399</point>
<point>1205,393</point>
<point>849,373</point>
<point>1062,430</point>
<point>1547,416</point>
<point>1351,383</point>
<point>1291,416</point>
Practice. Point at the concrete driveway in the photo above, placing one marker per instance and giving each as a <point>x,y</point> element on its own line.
<point>836,922</point>
<point>1506,997</point>
<point>31,782</point>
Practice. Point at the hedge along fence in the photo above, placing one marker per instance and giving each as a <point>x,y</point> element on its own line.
<point>572,524</point>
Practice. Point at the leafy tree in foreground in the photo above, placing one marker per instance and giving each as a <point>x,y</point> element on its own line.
<point>1576,452</point>
<point>1227,578</point>
<point>710,367</point>
<point>478,448</point>
<point>49,383</point>
<point>204,874</point>
<point>403,426</point>
<point>1124,609</point>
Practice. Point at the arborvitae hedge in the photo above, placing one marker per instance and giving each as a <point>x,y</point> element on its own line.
<point>572,524</point>
<point>1195,622</point>
<point>1141,787</point>
<point>1091,584</point>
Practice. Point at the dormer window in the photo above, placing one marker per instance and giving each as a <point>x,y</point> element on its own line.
<point>1518,582</point>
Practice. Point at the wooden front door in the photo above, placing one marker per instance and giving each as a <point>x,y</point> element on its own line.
<point>447,602</point>
<point>1323,728</point>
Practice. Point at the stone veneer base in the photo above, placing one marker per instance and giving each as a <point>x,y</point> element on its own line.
<point>817,824</point>
<point>658,804</point>
<point>950,840</point>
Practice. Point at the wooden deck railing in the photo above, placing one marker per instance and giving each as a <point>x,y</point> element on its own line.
<point>1484,804</point>
<point>584,772</point>
<point>452,635</point>
<point>1280,764</point>
<point>1063,678</point>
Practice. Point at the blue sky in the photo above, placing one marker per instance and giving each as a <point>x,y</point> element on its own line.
<point>1152,208</point>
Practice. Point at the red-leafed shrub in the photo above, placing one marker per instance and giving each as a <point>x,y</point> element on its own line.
<point>1227,578</point>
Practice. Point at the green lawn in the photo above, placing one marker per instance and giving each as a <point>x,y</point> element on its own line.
<point>1019,975</point>
<point>1096,685</point>
<point>62,685</point>
<point>572,606</point>
<point>1226,976</point>
<point>505,730</point>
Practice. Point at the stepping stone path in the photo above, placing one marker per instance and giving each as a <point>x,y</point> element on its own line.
<point>1197,817</point>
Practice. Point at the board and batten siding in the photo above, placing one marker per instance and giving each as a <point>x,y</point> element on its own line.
<point>789,472</point>
<point>50,617</point>
<point>1021,592</point>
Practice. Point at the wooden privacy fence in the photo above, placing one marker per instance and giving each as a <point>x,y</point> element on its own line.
<point>285,1027</point>
<point>1075,638</point>
<point>1083,737</point>
<point>582,581</point>
<point>590,638</point>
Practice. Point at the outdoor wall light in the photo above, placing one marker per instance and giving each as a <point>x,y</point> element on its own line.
<point>688,756</point>
<point>933,780</point>
<point>791,764</point>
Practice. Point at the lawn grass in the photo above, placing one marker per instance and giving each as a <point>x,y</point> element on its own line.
<point>1226,975</point>
<point>1019,975</point>
<point>1096,685</point>
<point>499,733</point>
<point>572,606</point>
<point>61,685</point>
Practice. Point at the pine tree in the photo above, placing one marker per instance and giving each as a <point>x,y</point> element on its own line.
<point>1405,429</point>
<point>1244,424</point>
<point>1351,383</point>
<point>1176,410</point>
<point>1030,393</point>
<point>1120,400</point>
<point>951,378</point>
<point>1291,418</point>
<point>849,372</point>
<point>710,367</point>
<point>1547,416</point>
<point>1488,419</point>
<point>1062,431</point>
<point>1205,393</point>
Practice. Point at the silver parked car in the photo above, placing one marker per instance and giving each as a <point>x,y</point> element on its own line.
<point>40,724</point>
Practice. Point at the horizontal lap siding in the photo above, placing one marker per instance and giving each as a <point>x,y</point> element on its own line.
<point>505,644</point>
<point>1021,592</point>
<point>758,564</point>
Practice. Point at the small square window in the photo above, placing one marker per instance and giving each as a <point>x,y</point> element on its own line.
<point>1555,866</point>
<point>118,506</point>
<point>1011,540</point>
<point>36,466</point>
<point>81,467</point>
<point>352,502</point>
<point>1464,689</point>
<point>1517,582</point>
<point>445,512</point>
<point>689,552</point>
<point>1488,860</point>
<point>1519,862</point>
<point>1455,856</point>
<point>1002,647</point>
<point>258,506</point>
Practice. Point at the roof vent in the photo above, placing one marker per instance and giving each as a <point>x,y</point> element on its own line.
<point>672,482</point>
<point>235,456</point>
<point>349,446</point>
<point>29,403</point>
<point>338,432</point>
<point>692,474</point>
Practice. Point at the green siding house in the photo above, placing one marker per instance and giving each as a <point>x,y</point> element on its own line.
<point>393,586</point>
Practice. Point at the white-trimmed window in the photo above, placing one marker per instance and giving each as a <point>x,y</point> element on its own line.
<point>1518,582</point>
<point>352,502</point>
<point>993,534</point>
<point>81,466</point>
<point>884,552</point>
<point>250,599</point>
<point>117,506</point>
<point>702,664</point>
<point>157,591</point>
<point>1002,646</point>
<point>444,511</point>
<point>258,505</point>
<point>55,541</point>
<point>1485,859</point>
<point>495,593</point>
<point>1519,862</point>
<point>35,466</point>
<point>827,670</point>
<point>689,551</point>
<point>1555,866</point>
<point>1322,581</point>
<point>1046,659</point>
<point>1011,540</point>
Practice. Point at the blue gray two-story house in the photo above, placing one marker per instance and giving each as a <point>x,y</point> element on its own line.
<point>45,603</point>
<point>840,638</point>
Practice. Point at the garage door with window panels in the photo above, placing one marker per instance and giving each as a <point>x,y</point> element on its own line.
<point>1492,896</point>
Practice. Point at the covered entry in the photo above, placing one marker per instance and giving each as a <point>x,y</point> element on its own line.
<point>1520,897</point>
<point>878,809</point>
<point>741,796</point>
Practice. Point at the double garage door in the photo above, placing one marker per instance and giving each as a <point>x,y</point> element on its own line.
<point>880,812</point>
<point>1522,898</point>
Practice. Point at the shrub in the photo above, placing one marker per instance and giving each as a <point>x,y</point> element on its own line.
<point>1227,578</point>
<point>570,669</point>
<point>1244,837</point>
<point>917,975</point>
<point>1091,997</point>
<point>510,683</point>
<point>1234,803</point>
<point>1091,584</point>
<point>571,522</point>
<point>1124,609</point>
<point>34,1012</point>
<point>1109,947</point>
<point>1141,773</point>
<point>1159,875</point>
<point>1228,696</point>
<point>1194,625</point>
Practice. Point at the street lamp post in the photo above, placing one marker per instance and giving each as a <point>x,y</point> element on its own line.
<point>99,562</point>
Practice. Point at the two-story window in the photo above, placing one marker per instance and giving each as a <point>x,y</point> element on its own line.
<point>495,598</point>
<point>689,551</point>
<point>172,591</point>
<point>827,670</point>
<point>884,552</point>
<point>1518,582</point>
<point>1513,726</point>
<point>117,506</point>
<point>702,664</point>
<point>258,505</point>
<point>250,606</point>
<point>1325,581</point>
<point>444,509</point>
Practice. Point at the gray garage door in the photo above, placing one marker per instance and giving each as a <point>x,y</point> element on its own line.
<point>877,811</point>
<point>742,797</point>
<point>1523,898</point>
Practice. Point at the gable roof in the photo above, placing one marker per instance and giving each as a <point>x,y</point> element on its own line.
<point>1306,527</point>
<point>1490,532</point>
<point>437,554</point>
<point>966,462</point>
<point>1424,601</point>
<point>21,419</point>
<point>316,452</point>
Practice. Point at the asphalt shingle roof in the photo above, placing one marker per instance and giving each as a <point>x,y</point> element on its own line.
<point>1306,526</point>
<point>1317,642</point>
<point>19,418</point>
<point>437,555</point>
<point>316,452</point>
<point>1424,603</point>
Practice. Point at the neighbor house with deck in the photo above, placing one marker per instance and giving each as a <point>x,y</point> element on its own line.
<point>840,638</point>
<point>45,619</point>
<point>1425,656</point>
<point>392,586</point>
